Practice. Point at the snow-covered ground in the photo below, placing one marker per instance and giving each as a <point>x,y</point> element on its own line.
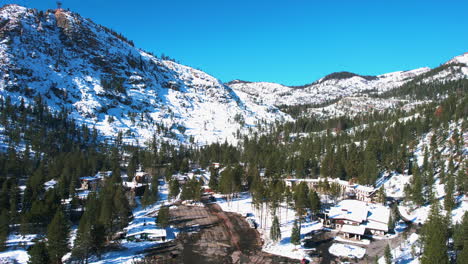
<point>345,250</point>
<point>243,205</point>
<point>16,250</point>
<point>407,252</point>
<point>394,186</point>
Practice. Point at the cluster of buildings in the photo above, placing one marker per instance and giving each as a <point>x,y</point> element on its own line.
<point>355,216</point>
<point>348,188</point>
<point>94,183</point>
<point>200,175</point>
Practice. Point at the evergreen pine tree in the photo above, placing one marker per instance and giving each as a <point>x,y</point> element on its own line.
<point>296,234</point>
<point>370,171</point>
<point>449,200</point>
<point>4,228</point>
<point>275,231</point>
<point>84,240</point>
<point>460,237</point>
<point>388,255</point>
<point>4,196</point>
<point>174,188</point>
<point>462,257</point>
<point>122,210</point>
<point>213,184</point>
<point>416,191</point>
<point>14,201</point>
<point>58,232</point>
<point>90,236</point>
<point>301,199</point>
<point>38,254</point>
<point>163,217</point>
<point>147,200</point>
<point>462,179</point>
<point>106,210</point>
<point>391,224</point>
<point>131,168</point>
<point>435,238</point>
<point>381,197</point>
<point>315,203</point>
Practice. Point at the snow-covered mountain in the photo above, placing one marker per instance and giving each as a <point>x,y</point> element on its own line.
<point>109,84</point>
<point>343,84</point>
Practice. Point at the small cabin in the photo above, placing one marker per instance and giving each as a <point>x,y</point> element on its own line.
<point>158,235</point>
<point>141,177</point>
<point>90,183</point>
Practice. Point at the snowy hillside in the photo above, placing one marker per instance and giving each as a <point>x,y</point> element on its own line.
<point>109,84</point>
<point>323,90</point>
<point>343,84</point>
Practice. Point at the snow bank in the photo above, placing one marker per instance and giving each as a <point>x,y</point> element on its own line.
<point>407,252</point>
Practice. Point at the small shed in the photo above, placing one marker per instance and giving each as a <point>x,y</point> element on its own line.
<point>158,235</point>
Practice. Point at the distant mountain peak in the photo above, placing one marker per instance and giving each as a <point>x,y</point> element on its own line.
<point>237,81</point>
<point>346,75</point>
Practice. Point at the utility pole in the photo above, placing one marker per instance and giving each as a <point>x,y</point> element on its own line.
<point>59,5</point>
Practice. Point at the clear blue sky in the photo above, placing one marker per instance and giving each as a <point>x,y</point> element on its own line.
<point>289,41</point>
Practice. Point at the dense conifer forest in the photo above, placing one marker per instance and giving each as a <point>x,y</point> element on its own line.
<point>40,146</point>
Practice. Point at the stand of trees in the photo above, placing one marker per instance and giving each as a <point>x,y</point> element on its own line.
<point>41,145</point>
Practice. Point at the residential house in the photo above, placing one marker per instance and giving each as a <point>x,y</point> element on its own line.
<point>354,218</point>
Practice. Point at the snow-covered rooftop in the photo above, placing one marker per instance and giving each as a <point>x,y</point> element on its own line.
<point>90,178</point>
<point>371,216</point>
<point>50,184</point>
<point>352,210</point>
<point>150,231</point>
<point>378,213</point>
<point>358,230</point>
